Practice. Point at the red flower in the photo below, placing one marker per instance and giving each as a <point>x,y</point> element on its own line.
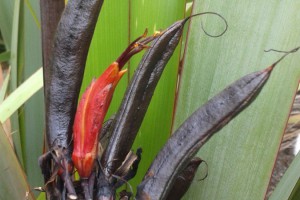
<point>89,118</point>
<point>94,105</point>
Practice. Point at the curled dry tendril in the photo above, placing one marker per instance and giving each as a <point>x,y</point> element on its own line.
<point>202,27</point>
<point>286,53</point>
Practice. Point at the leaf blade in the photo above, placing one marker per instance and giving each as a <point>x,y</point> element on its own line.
<point>10,171</point>
<point>288,182</point>
<point>21,95</point>
<point>32,113</point>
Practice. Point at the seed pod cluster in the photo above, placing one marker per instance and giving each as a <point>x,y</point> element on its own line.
<point>174,168</point>
<point>197,130</point>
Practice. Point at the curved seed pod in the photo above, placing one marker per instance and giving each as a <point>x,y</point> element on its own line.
<point>63,73</point>
<point>71,44</point>
<point>50,15</point>
<point>196,131</point>
<point>139,93</point>
<point>184,180</point>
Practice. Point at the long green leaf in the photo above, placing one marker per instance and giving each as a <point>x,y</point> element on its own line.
<point>21,95</point>
<point>17,62</point>
<point>288,182</point>
<point>13,184</point>
<point>32,112</point>
<point>16,32</point>
<point>240,157</point>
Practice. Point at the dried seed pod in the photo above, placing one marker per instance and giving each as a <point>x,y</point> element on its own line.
<point>50,15</point>
<point>139,93</point>
<point>64,60</point>
<point>71,44</point>
<point>196,131</point>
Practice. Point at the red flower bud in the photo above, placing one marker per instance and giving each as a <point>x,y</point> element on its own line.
<point>89,118</point>
<point>94,105</point>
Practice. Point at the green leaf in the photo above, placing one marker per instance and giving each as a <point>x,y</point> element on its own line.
<point>289,182</point>
<point>241,156</point>
<point>16,43</point>
<point>21,95</point>
<point>13,184</point>
<point>33,9</point>
<point>5,56</point>
<point>17,62</point>
<point>32,113</point>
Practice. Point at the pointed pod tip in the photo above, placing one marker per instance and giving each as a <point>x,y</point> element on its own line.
<point>270,68</point>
